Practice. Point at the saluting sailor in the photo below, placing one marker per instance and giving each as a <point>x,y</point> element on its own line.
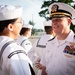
<point>38,47</point>
<point>23,40</point>
<point>59,56</point>
<point>13,58</point>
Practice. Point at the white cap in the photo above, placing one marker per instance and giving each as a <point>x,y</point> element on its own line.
<point>47,23</point>
<point>10,12</point>
<point>59,9</point>
<point>73,21</point>
<point>27,26</point>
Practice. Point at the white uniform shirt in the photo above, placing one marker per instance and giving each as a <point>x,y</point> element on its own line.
<point>17,64</point>
<point>25,43</point>
<point>38,47</point>
<point>57,61</point>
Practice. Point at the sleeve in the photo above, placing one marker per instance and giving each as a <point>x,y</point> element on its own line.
<point>32,53</point>
<point>43,62</point>
<point>45,55</point>
<point>18,65</point>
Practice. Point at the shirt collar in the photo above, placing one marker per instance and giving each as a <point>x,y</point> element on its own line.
<point>2,38</point>
<point>70,37</point>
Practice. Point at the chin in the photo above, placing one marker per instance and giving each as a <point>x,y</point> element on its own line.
<point>57,32</point>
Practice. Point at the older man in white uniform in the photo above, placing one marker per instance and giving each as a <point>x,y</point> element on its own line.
<point>59,56</point>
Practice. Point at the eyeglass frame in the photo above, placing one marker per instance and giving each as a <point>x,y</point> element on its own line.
<point>22,22</point>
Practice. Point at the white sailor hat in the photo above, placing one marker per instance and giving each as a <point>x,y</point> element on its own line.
<point>59,9</point>
<point>10,12</point>
<point>27,26</point>
<point>47,23</point>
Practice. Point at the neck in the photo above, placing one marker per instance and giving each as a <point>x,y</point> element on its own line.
<point>63,36</point>
<point>26,35</point>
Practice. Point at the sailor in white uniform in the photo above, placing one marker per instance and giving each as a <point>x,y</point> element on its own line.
<point>23,40</point>
<point>13,58</point>
<point>38,47</point>
<point>59,56</point>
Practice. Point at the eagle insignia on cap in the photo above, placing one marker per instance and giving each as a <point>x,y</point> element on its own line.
<point>55,8</point>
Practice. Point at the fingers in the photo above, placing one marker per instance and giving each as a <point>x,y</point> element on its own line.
<point>38,65</point>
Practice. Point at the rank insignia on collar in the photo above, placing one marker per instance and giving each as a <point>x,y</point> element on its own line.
<point>69,49</point>
<point>54,8</point>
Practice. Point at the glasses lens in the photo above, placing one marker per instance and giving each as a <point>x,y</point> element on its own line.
<point>21,22</point>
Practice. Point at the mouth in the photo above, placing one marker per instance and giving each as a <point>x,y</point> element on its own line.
<point>56,27</point>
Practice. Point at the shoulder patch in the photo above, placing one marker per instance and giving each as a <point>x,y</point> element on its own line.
<point>16,52</point>
<point>23,42</point>
<point>51,39</point>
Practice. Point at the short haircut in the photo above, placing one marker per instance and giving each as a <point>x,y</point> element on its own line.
<point>23,30</point>
<point>48,29</point>
<point>5,23</point>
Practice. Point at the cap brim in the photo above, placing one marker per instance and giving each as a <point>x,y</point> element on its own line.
<point>58,16</point>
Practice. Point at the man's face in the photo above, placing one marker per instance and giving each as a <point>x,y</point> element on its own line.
<point>60,25</point>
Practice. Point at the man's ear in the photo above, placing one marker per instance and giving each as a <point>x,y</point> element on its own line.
<point>10,27</point>
<point>69,21</point>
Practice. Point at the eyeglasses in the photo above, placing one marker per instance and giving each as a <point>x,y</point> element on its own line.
<point>22,22</point>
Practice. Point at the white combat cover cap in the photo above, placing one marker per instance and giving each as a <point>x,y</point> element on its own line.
<point>8,12</point>
<point>27,26</point>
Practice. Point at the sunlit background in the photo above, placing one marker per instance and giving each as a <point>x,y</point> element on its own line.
<point>30,10</point>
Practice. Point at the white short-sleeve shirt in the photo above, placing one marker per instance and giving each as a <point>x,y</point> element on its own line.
<point>56,59</point>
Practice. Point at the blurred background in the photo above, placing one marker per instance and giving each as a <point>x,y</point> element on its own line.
<point>35,12</point>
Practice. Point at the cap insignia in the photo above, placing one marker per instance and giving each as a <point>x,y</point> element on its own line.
<point>55,8</point>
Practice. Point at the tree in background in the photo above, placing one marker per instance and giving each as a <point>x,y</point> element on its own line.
<point>45,13</point>
<point>33,30</point>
